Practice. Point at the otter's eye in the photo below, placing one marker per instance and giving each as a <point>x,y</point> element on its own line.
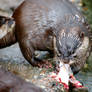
<point>81,34</point>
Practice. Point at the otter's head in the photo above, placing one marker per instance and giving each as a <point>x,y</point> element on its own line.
<point>71,36</point>
<point>6,25</point>
<point>68,41</point>
<point>72,44</point>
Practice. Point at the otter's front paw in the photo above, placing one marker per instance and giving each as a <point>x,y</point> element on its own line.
<point>45,64</point>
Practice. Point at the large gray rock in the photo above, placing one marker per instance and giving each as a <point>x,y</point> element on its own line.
<point>11,53</point>
<point>10,82</point>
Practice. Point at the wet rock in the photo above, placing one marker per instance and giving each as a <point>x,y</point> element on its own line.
<point>10,82</point>
<point>38,76</point>
<point>12,54</point>
<point>80,90</point>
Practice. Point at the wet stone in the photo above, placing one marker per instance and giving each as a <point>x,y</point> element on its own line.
<point>38,76</point>
<point>80,90</point>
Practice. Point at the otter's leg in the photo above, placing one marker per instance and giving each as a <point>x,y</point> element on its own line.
<point>28,53</point>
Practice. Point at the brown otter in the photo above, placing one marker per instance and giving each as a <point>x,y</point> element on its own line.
<point>49,25</point>
<point>39,21</point>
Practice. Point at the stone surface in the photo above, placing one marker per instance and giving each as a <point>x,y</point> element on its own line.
<point>80,90</point>
<point>11,83</point>
<point>12,53</point>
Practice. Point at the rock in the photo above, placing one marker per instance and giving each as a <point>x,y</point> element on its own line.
<point>10,82</point>
<point>12,53</point>
<point>80,90</point>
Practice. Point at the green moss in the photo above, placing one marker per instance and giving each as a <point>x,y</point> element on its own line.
<point>88,66</point>
<point>87,10</point>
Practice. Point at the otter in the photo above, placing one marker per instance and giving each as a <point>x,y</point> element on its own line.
<point>39,21</point>
<point>55,26</point>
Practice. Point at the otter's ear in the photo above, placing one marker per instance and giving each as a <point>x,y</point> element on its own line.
<point>82,35</point>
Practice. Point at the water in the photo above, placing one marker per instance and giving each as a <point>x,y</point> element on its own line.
<point>86,79</point>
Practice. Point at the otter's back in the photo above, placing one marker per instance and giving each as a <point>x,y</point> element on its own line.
<point>35,16</point>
